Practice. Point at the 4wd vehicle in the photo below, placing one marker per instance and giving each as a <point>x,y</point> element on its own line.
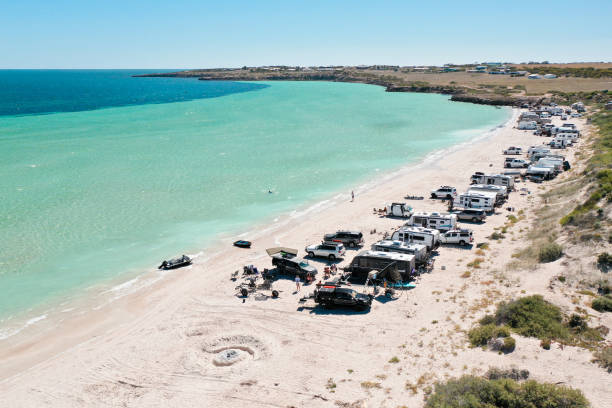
<point>331,250</point>
<point>470,214</point>
<point>513,150</point>
<point>348,238</point>
<point>328,296</point>
<point>514,163</point>
<point>444,192</point>
<point>294,266</point>
<point>461,237</point>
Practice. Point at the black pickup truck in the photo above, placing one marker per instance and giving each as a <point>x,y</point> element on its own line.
<point>328,296</point>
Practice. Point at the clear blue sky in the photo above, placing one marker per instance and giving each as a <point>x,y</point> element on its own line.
<point>198,34</point>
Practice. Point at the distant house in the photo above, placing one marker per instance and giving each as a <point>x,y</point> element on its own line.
<point>609,106</point>
<point>481,68</point>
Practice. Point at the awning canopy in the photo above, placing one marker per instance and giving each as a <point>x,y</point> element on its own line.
<point>281,250</point>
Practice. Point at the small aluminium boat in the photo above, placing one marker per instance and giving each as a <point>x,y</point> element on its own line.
<point>242,244</point>
<point>176,263</point>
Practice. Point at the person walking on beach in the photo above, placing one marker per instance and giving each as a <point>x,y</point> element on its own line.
<point>297,284</point>
<point>352,195</point>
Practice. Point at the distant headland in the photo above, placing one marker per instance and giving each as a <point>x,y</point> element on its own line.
<point>490,83</point>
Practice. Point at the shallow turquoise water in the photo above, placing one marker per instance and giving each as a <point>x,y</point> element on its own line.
<point>89,195</point>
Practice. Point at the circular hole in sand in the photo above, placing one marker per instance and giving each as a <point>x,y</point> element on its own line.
<point>231,355</point>
<point>229,350</point>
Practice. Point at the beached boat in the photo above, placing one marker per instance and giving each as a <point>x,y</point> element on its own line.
<point>242,244</point>
<point>175,263</point>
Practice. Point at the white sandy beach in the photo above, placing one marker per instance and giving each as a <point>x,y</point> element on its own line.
<point>157,346</point>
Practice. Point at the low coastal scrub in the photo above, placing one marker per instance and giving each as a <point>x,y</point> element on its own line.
<point>597,173</point>
<point>603,303</point>
<point>603,357</point>
<point>532,316</point>
<point>476,392</point>
<point>604,262</point>
<point>481,335</point>
<point>550,252</point>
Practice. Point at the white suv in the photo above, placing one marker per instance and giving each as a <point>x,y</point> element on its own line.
<point>330,250</point>
<point>444,192</point>
<point>514,163</point>
<point>513,150</point>
<point>461,237</point>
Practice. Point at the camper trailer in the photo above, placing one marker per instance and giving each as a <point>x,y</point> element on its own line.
<point>367,261</point>
<point>434,220</point>
<point>418,250</point>
<point>418,235</point>
<point>495,179</point>
<point>399,210</point>
<point>481,199</point>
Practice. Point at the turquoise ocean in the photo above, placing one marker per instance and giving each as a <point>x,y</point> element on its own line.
<point>102,173</point>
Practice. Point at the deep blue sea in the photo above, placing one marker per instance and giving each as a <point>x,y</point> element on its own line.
<point>25,92</point>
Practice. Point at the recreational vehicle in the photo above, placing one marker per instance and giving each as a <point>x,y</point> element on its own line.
<point>555,164</point>
<point>418,250</point>
<point>367,261</point>
<point>399,210</point>
<point>419,235</point>
<point>481,199</point>
<point>434,220</point>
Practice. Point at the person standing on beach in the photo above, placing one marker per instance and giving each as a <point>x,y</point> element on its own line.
<point>297,283</point>
<point>352,195</point>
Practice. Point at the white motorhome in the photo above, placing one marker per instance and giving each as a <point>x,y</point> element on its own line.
<point>418,235</point>
<point>399,210</point>
<point>435,220</point>
<point>495,179</point>
<point>481,199</point>
<point>418,250</point>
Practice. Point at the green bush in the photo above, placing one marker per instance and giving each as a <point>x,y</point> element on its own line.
<point>509,345</point>
<point>603,304</point>
<point>603,357</point>
<point>604,261</point>
<point>487,319</point>
<point>532,316</point>
<point>550,252</point>
<point>480,335</point>
<point>475,392</point>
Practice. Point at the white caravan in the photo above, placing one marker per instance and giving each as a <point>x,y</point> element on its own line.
<point>435,220</point>
<point>528,125</point>
<point>419,235</point>
<point>418,250</point>
<point>500,191</point>
<point>495,179</point>
<point>483,200</point>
